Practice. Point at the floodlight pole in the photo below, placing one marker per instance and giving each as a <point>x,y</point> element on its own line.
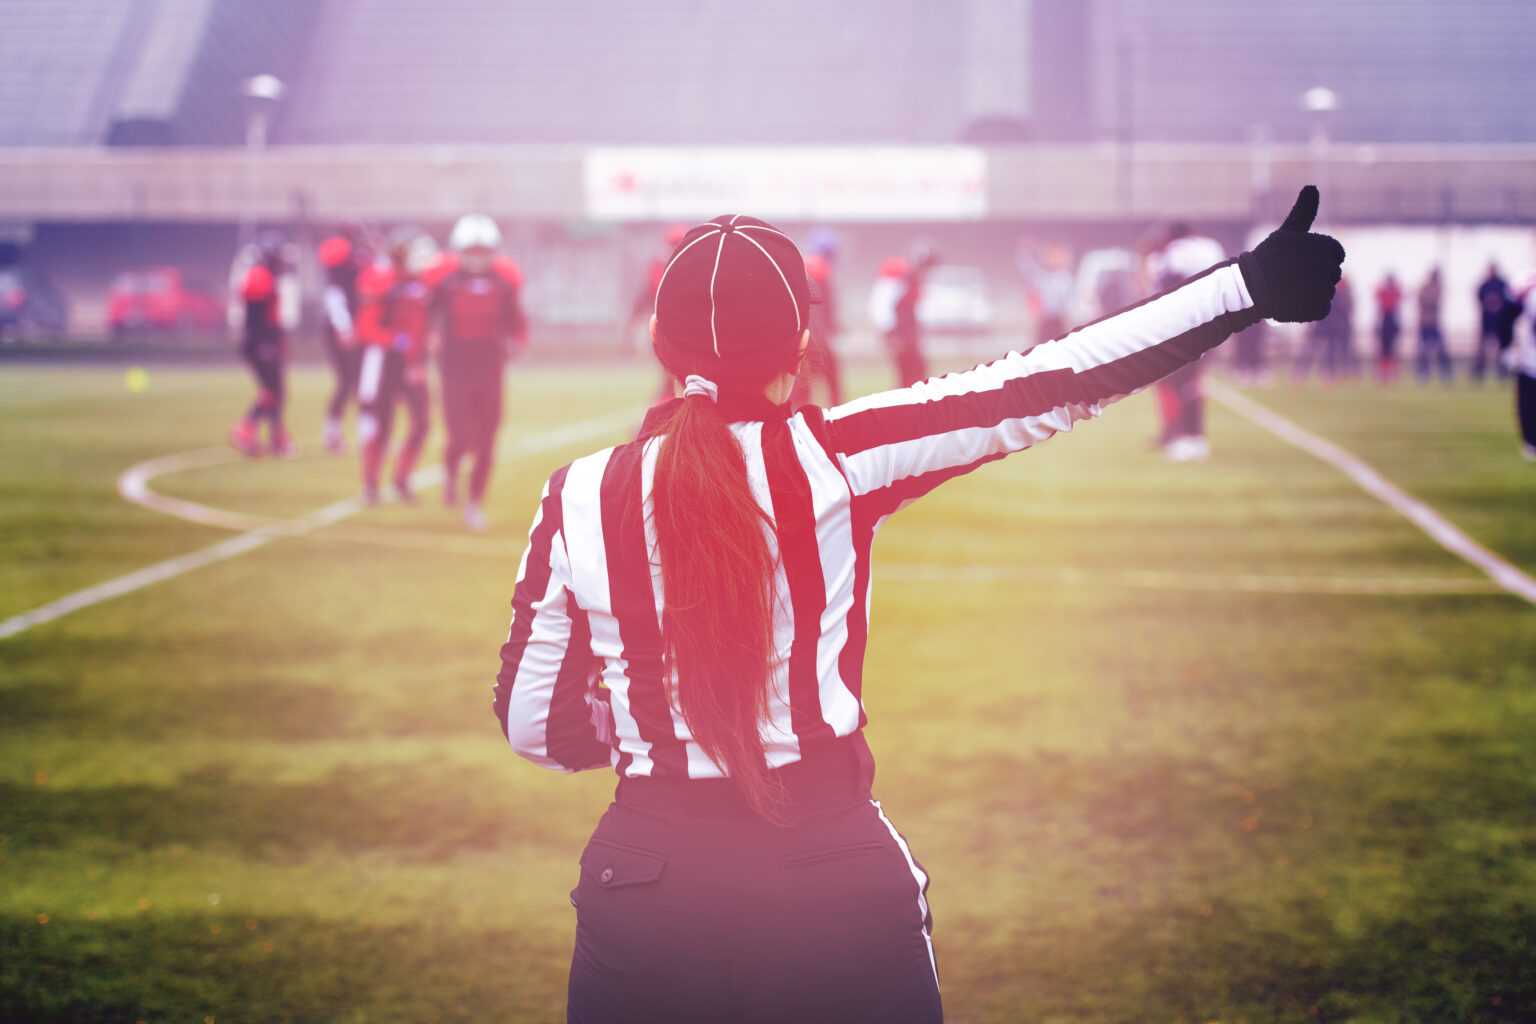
<point>1320,102</point>
<point>262,94</point>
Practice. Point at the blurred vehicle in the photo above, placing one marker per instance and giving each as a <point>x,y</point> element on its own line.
<point>160,299</point>
<point>30,306</point>
<point>1106,282</point>
<point>955,300</point>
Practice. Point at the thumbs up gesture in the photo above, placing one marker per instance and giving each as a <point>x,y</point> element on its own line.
<point>1292,272</point>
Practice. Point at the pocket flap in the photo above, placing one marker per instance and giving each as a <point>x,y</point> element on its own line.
<point>610,864</point>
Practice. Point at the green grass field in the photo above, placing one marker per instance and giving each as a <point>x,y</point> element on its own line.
<point>272,789</point>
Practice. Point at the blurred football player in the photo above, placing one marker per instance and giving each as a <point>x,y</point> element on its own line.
<point>394,307</point>
<point>343,257</point>
<point>477,303</point>
<point>264,346</point>
<point>904,336</point>
<point>821,354</point>
<point>645,297</point>
<point>1181,395</point>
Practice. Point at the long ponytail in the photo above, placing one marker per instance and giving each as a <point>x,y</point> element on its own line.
<point>717,577</point>
<point>717,570</point>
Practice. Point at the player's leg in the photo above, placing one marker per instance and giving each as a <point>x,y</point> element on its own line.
<point>1167,412</point>
<point>377,382</point>
<point>344,373</point>
<point>455,381</point>
<point>485,407</point>
<point>834,374</point>
<point>244,436</point>
<point>911,367</point>
<point>418,402</point>
<point>274,375</point>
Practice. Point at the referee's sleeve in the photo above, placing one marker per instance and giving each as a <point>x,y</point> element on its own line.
<point>547,696</point>
<point>897,445</point>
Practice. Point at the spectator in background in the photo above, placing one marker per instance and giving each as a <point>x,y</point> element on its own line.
<point>1496,322</point>
<point>343,257</point>
<point>1181,395</point>
<point>1389,295</point>
<point>1431,340</point>
<point>264,346</point>
<point>477,302</point>
<point>820,361</point>
<point>1330,341</point>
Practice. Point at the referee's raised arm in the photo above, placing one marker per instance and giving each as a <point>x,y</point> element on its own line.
<point>900,444</point>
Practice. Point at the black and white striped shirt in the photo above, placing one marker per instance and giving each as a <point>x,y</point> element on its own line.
<point>587,604</point>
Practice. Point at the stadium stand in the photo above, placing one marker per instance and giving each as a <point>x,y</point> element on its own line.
<point>134,72</point>
<point>61,65</point>
<point>1406,72</point>
<point>673,71</point>
<point>146,107</point>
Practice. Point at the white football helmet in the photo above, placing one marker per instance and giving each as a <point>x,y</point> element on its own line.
<point>474,230</point>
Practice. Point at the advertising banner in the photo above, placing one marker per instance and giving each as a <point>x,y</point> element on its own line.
<point>880,183</point>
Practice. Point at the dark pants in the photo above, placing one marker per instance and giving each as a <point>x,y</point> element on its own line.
<point>1432,353</point>
<point>383,380</point>
<point>689,908</point>
<point>1493,335</point>
<point>266,358</point>
<point>345,360</point>
<point>472,379</point>
<point>1525,406</point>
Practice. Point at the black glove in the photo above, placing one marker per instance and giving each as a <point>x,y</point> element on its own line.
<point>1292,272</point>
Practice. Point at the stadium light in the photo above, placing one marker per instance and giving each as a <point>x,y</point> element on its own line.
<point>1320,100</point>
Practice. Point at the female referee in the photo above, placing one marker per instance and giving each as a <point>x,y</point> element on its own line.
<point>691,611</point>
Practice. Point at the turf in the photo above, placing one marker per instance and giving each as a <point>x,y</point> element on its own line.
<point>272,789</point>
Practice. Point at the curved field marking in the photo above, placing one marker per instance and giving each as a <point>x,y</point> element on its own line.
<point>1415,511</point>
<point>134,486</point>
<point>257,531</point>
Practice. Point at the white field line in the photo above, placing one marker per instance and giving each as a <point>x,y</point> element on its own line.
<point>1415,511</point>
<point>1154,579</point>
<point>258,531</point>
<point>134,486</point>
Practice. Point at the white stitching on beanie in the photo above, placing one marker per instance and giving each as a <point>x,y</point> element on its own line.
<point>775,265</point>
<point>668,269</point>
<point>713,274</point>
